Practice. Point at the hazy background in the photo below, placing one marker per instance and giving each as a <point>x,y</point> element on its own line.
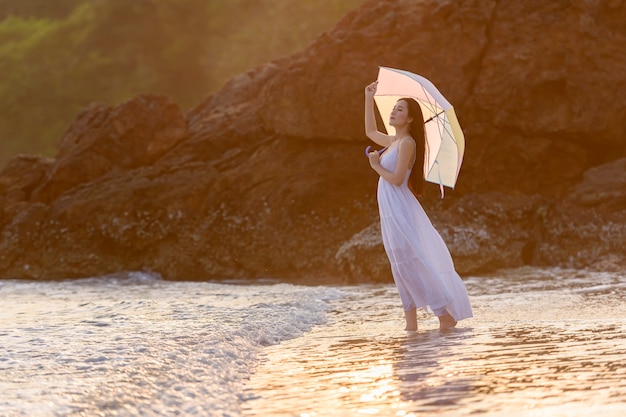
<point>58,56</point>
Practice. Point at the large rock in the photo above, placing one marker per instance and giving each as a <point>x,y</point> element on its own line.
<point>533,83</point>
<point>18,180</point>
<point>266,178</point>
<point>103,139</point>
<point>484,232</point>
<point>588,227</point>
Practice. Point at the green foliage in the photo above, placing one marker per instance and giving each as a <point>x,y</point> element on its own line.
<point>55,9</point>
<point>58,56</point>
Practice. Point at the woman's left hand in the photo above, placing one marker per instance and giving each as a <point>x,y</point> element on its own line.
<point>374,158</point>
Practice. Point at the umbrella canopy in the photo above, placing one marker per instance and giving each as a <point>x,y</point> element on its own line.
<point>445,143</point>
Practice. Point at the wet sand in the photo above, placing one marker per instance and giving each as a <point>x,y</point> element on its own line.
<point>542,343</point>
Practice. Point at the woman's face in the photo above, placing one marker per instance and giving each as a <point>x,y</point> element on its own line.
<point>400,114</point>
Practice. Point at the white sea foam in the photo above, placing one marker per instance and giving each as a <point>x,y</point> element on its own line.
<point>136,345</point>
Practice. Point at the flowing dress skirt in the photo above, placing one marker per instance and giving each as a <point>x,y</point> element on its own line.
<point>421,264</point>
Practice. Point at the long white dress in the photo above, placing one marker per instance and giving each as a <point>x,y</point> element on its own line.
<point>421,264</point>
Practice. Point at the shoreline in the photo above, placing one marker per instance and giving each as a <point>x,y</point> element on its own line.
<point>513,358</point>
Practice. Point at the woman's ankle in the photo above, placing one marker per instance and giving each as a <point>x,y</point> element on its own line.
<point>411,320</point>
<point>446,322</point>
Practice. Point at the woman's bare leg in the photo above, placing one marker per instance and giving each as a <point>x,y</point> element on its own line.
<point>411,319</point>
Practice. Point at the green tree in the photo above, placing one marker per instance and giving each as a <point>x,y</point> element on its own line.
<point>57,57</point>
<point>55,9</point>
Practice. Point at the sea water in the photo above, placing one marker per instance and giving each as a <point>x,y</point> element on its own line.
<point>135,345</point>
<point>543,342</point>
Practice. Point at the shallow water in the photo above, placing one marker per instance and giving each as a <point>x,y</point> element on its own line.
<point>542,343</point>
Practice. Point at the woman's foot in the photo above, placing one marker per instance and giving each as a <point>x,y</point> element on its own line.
<point>446,322</point>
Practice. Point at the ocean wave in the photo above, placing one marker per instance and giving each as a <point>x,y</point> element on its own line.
<point>134,344</point>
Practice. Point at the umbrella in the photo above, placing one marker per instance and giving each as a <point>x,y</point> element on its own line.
<point>445,143</point>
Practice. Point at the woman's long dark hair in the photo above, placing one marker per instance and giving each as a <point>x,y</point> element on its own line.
<point>416,129</point>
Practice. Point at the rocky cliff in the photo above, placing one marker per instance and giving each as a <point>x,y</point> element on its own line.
<point>267,178</point>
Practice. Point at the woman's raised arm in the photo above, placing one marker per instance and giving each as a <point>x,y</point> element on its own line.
<point>371,130</point>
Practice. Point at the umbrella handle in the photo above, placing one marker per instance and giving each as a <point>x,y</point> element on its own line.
<point>433,118</point>
<point>380,151</point>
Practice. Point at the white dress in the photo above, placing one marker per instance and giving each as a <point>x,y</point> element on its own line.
<point>421,264</point>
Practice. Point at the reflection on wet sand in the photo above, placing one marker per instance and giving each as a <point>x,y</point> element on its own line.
<point>429,369</point>
<point>556,365</point>
<point>567,358</point>
<point>365,376</point>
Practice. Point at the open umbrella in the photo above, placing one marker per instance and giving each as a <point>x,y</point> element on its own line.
<point>445,143</point>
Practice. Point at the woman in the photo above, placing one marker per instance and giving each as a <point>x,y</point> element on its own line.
<point>421,264</point>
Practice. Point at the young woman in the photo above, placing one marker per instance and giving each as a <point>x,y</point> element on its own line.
<point>421,264</point>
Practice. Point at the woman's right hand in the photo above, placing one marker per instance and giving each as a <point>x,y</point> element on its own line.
<point>371,130</point>
<point>370,90</point>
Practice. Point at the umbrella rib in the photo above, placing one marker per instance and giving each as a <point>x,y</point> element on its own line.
<point>450,134</point>
<point>442,124</point>
<point>433,108</point>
